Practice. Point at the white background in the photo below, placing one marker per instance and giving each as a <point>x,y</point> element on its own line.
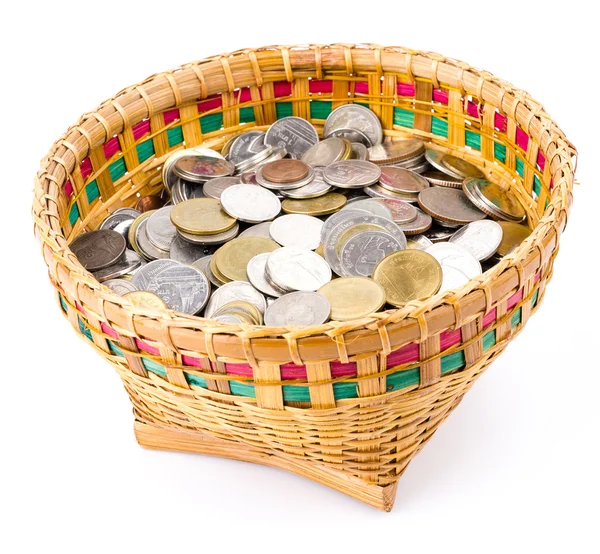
<point>514,469</point>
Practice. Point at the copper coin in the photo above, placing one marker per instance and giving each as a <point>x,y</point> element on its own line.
<point>451,205</point>
<point>285,171</point>
<point>150,202</point>
<point>398,179</point>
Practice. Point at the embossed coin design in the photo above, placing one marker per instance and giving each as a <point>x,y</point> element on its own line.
<point>480,238</point>
<point>250,203</point>
<point>98,249</point>
<point>292,268</point>
<point>352,174</point>
<point>363,251</point>
<point>199,168</point>
<point>120,286</point>
<point>298,309</point>
<point>256,270</point>
<point>353,297</point>
<point>159,228</point>
<point>294,134</point>
<point>402,212</point>
<point>449,205</point>
<point>201,216</point>
<point>354,116</point>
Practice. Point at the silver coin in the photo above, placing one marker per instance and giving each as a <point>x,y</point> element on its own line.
<point>203,264</point>
<point>149,251</point>
<point>160,229</point>
<point>371,206</point>
<point>115,221</point>
<point>317,187</point>
<point>298,309</point>
<point>357,198</point>
<point>419,225</point>
<point>299,230</point>
<point>456,256</point>
<point>219,238</point>
<point>336,218</point>
<point>292,268</point>
<point>184,190</point>
<point>360,151</point>
<point>481,238</point>
<point>248,178</point>
<point>260,179</point>
<point>197,168</point>
<point>352,174</point>
<point>402,212</point>
<point>235,290</point>
<point>143,277</point>
<point>435,157</point>
<point>123,229</point>
<point>120,286</point>
<point>245,146</point>
<point>294,134</point>
<point>258,230</point>
<point>451,205</point>
<point>377,191</point>
<point>98,249</point>
<point>169,177</point>
<point>438,234</point>
<point>421,168</point>
<point>447,224</point>
<point>183,288</point>
<point>185,252</point>
<point>251,163</point>
<point>330,245</point>
<point>213,188</point>
<point>250,203</point>
<point>256,270</point>
<point>352,135</point>
<point>325,152</point>
<point>418,242</point>
<point>127,263</point>
<point>362,252</point>
<point>452,278</point>
<point>198,190</point>
<point>404,181</point>
<point>354,116</point>
<point>276,154</point>
<point>132,212</point>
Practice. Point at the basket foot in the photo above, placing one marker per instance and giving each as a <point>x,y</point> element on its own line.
<point>157,437</point>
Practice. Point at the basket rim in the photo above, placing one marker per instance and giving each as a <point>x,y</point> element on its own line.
<point>417,319</point>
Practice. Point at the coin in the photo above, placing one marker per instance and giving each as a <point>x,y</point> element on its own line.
<point>185,252</point>
<point>363,251</point>
<point>456,256</point>
<point>353,135</point>
<point>98,249</point>
<point>435,158</point>
<point>418,242</point>
<point>159,228</point>
<point>408,275</point>
<point>395,151</point>
<point>285,171</point>
<point>359,151</point>
<point>317,187</point>
<point>236,290</point>
<point>218,238</point>
<point>438,234</point>
<point>203,264</point>
<point>353,297</point>
<point>351,173</point>
<point>202,216</point>
<point>145,247</point>
<point>452,278</point>
<point>256,159</point>
<point>333,220</point>
<point>294,134</point>
<point>214,269</point>
<point>442,179</point>
<point>402,212</point>
<point>323,205</point>
<point>184,190</point>
<point>513,234</point>
<point>149,203</point>
<point>199,168</point>
<point>377,191</point>
<point>256,275</point>
<point>462,167</point>
<point>248,178</point>
<point>146,300</point>
<point>371,206</point>
<point>233,257</point>
<point>146,274</point>
<point>418,225</point>
<point>120,286</point>
<point>494,200</point>
<point>355,116</point>
<point>292,268</point>
<point>120,222</point>
<point>298,309</point>
<point>215,187</point>
<point>131,234</point>
<point>325,152</point>
<point>480,238</point>
<point>261,180</point>
<point>250,203</point>
<point>246,145</point>
<point>299,230</point>
<point>128,262</point>
<point>402,180</point>
<point>449,205</point>
<point>258,230</point>
<point>243,311</point>
<point>169,177</point>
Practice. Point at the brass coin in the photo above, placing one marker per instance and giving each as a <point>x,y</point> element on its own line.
<point>149,203</point>
<point>243,307</point>
<point>320,250</point>
<point>353,297</point>
<point>494,200</point>
<point>348,233</point>
<point>347,155</point>
<point>146,300</point>
<point>201,216</point>
<point>442,179</point>
<point>395,151</point>
<point>232,258</point>
<point>214,269</point>
<point>450,205</point>
<point>462,167</point>
<point>323,205</point>
<point>408,275</point>
<point>285,171</point>
<point>133,229</point>
<point>513,234</point>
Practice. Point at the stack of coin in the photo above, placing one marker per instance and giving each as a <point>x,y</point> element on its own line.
<point>285,229</point>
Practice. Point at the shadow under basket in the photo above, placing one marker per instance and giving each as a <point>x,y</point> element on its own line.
<point>345,404</point>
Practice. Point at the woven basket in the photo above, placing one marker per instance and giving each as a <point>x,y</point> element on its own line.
<point>345,404</point>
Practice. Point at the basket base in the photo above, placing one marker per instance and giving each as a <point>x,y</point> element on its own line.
<point>157,437</point>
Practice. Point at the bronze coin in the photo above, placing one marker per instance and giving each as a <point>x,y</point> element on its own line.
<point>285,171</point>
<point>148,203</point>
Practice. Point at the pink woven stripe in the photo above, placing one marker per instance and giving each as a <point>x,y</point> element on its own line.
<point>541,161</point>
<point>361,87</point>
<point>68,188</point>
<point>140,129</point>
<point>522,139</point>
<point>282,88</point>
<point>245,95</point>
<point>405,89</point>
<point>111,147</point>
<point>324,87</point>
<point>473,109</point>
<point>211,103</point>
<point>86,168</point>
<point>170,116</point>
<point>440,95</point>
<point>500,122</point>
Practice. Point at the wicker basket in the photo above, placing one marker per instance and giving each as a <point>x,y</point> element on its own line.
<point>345,404</point>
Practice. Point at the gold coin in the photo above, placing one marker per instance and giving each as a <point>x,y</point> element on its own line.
<point>232,258</point>
<point>145,299</point>
<point>126,277</point>
<point>462,167</point>
<point>133,229</point>
<point>353,297</point>
<point>353,231</point>
<point>320,250</point>
<point>215,270</point>
<point>240,307</point>
<point>513,234</point>
<point>323,205</point>
<point>347,150</point>
<point>408,275</point>
<point>201,216</point>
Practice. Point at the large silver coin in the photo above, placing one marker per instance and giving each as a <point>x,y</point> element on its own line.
<point>256,270</point>
<point>363,251</point>
<point>354,116</point>
<point>128,262</point>
<point>235,290</point>
<point>456,256</point>
<point>245,146</point>
<point>438,234</point>
<point>120,286</point>
<point>203,264</point>
<point>371,206</point>
<point>219,238</point>
<point>298,309</point>
<point>258,230</point>
<point>145,274</point>
<point>250,203</point>
<point>294,134</point>
<point>352,174</point>
<point>197,168</point>
<point>98,249</point>
<point>325,152</point>
<point>452,278</point>
<point>481,238</point>
<point>160,229</point>
<point>299,230</point>
<point>435,157</point>
<point>336,218</point>
<point>260,179</point>
<point>352,135</point>
<point>317,187</point>
<point>330,246</point>
<point>292,268</point>
<point>185,252</point>
<point>149,251</point>
<point>213,188</point>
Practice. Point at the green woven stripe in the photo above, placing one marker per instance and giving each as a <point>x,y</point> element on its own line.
<point>320,109</point>
<point>145,150</point>
<point>175,136</point>
<point>473,140</point>
<point>247,115</point>
<point>537,185</point>
<point>439,127</point>
<point>520,166</point>
<point>84,330</point>
<point>117,169</point>
<point>63,304</point>
<point>211,122</point>
<point>73,214</point>
<point>404,118</point>
<point>283,109</point>
<point>91,191</point>
<point>500,152</point>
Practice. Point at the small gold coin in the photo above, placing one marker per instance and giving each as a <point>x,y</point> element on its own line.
<point>513,234</point>
<point>348,150</point>
<point>133,229</point>
<point>353,297</point>
<point>408,275</point>
<point>232,258</point>
<point>145,299</point>
<point>215,270</point>
<point>320,250</point>
<point>323,205</point>
<point>201,216</point>
<point>241,308</point>
<point>462,167</point>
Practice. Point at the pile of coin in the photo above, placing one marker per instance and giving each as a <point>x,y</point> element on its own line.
<point>283,229</point>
